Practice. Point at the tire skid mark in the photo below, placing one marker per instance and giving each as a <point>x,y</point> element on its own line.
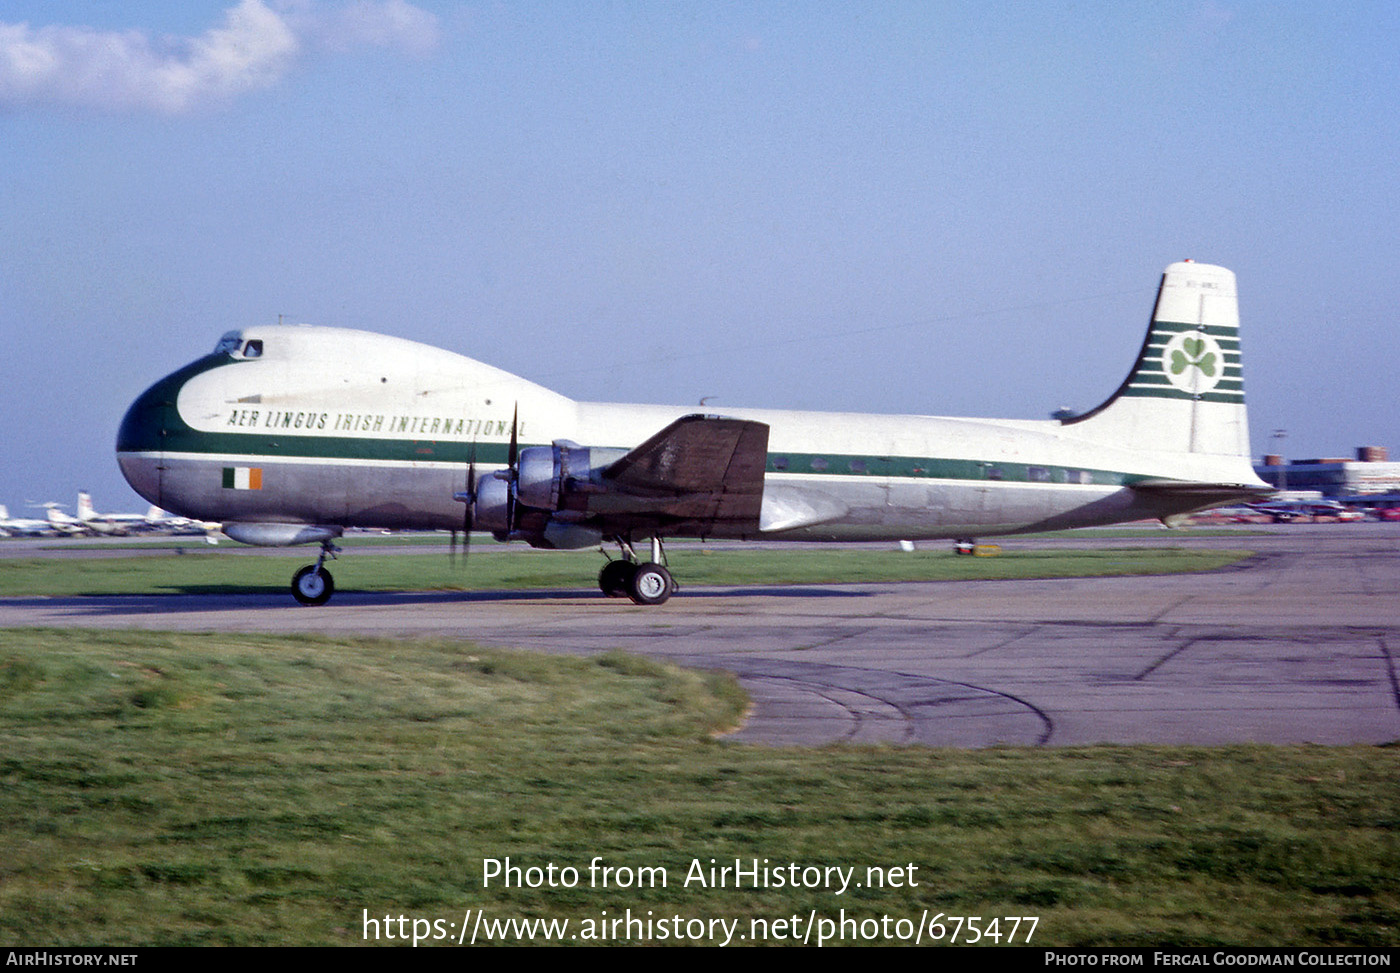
<point>920,701</point>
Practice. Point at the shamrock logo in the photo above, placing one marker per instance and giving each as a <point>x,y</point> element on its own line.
<point>1193,353</point>
<point>1193,362</point>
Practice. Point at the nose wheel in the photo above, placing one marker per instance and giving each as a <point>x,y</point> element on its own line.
<point>313,584</point>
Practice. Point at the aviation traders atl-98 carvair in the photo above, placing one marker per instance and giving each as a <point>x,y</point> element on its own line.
<point>292,434</point>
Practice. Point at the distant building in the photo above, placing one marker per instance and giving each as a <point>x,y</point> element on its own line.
<point>1369,473</point>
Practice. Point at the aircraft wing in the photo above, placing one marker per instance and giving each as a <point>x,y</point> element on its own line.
<point>698,470</point>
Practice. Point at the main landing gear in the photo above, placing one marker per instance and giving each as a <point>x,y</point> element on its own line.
<point>313,584</point>
<point>645,582</point>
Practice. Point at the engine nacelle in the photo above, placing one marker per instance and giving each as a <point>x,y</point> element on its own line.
<point>549,474</point>
<point>540,483</point>
<point>492,504</point>
<point>549,480</point>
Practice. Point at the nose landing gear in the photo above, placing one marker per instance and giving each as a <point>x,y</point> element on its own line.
<point>313,584</point>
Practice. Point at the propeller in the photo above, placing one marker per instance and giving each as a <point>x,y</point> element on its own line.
<point>510,476</point>
<point>513,461</point>
<point>468,499</point>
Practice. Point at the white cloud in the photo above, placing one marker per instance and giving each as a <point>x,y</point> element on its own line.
<point>374,23</point>
<point>253,48</point>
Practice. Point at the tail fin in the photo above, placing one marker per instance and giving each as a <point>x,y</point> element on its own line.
<point>1185,393</point>
<point>85,509</point>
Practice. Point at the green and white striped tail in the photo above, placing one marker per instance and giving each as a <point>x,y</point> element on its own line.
<point>1185,393</point>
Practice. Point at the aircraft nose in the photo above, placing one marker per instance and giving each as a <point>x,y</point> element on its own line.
<point>143,473</point>
<point>141,441</point>
<point>152,428</point>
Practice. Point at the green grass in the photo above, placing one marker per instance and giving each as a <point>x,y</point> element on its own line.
<point>441,539</point>
<point>240,789</point>
<point>196,542</point>
<point>212,571</point>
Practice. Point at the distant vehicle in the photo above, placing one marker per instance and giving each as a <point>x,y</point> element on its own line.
<point>1379,506</point>
<point>1286,512</point>
<point>1241,514</point>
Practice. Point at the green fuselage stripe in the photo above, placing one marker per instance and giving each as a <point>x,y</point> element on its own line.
<point>264,449</point>
<point>153,425</point>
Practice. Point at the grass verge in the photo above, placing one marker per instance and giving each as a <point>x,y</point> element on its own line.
<point>206,572</point>
<point>239,789</point>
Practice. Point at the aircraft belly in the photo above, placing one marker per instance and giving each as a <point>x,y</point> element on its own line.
<point>900,509</point>
<point>402,498</point>
<point>952,509</point>
<point>142,471</point>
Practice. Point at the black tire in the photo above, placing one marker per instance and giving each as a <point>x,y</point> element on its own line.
<point>615,580</point>
<point>310,587</point>
<point>651,585</point>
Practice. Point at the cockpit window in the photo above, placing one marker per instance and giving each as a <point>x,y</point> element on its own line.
<point>229,344</point>
<point>253,349</point>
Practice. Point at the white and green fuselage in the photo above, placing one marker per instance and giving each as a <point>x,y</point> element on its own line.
<point>328,428</point>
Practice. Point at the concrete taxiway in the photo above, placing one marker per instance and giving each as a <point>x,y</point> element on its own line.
<point>1297,645</point>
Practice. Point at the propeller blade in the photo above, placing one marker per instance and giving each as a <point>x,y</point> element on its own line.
<point>514,438</point>
<point>514,461</point>
<point>469,508</point>
<point>468,500</point>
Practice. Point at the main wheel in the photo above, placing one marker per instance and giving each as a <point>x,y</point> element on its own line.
<point>615,579</point>
<point>651,584</point>
<point>312,587</point>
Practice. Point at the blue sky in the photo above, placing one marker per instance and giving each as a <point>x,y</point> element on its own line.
<point>941,208</point>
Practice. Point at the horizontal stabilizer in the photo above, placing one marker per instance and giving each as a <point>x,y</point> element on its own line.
<point>1187,487</point>
<point>1209,494</point>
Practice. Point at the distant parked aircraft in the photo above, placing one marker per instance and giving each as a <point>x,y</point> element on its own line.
<point>22,526</point>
